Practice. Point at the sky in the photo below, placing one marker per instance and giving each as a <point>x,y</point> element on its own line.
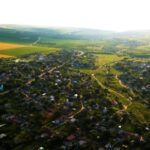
<point>118,15</point>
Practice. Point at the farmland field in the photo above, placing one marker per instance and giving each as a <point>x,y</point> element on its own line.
<point>5,46</point>
<point>17,52</point>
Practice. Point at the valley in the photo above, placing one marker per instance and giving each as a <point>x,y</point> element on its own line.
<point>64,90</point>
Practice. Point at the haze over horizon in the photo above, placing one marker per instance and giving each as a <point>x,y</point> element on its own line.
<point>117,15</point>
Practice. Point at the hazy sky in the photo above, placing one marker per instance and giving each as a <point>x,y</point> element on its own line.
<point>117,15</point>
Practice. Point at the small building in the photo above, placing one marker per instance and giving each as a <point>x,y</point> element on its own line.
<point>1,87</point>
<point>52,98</point>
<point>71,137</point>
<point>105,110</point>
<point>41,148</point>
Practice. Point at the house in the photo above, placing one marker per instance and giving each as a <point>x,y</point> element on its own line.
<point>2,125</point>
<point>44,135</point>
<point>41,148</point>
<point>71,137</point>
<point>69,104</point>
<point>105,110</point>
<point>1,87</point>
<point>43,94</point>
<point>56,122</point>
<point>41,58</point>
<point>114,102</point>
<point>72,120</point>
<point>108,146</point>
<point>58,81</point>
<point>147,128</point>
<point>2,135</point>
<point>75,95</point>
<point>48,115</point>
<point>52,98</point>
<point>57,71</point>
<point>82,142</point>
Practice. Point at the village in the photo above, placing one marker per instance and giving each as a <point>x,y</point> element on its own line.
<point>48,103</point>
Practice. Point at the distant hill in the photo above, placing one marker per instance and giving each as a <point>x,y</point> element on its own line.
<point>29,34</point>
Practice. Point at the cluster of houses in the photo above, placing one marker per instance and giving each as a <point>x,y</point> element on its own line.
<point>47,104</point>
<point>81,59</point>
<point>137,76</point>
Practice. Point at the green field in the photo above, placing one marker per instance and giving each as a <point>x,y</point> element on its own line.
<point>106,59</point>
<point>28,50</point>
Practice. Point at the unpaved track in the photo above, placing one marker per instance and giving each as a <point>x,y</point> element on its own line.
<point>39,38</point>
<point>82,108</point>
<point>125,107</point>
<point>42,74</point>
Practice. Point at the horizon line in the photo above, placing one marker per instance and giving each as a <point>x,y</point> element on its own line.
<point>72,27</point>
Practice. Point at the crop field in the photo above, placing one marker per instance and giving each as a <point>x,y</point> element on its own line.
<point>5,46</point>
<point>17,52</point>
